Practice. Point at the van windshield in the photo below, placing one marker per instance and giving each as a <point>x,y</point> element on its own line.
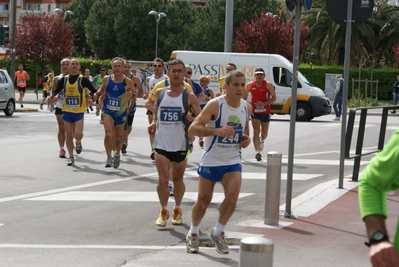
<point>305,80</point>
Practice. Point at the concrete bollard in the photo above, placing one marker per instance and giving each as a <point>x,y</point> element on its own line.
<point>256,252</point>
<point>273,185</point>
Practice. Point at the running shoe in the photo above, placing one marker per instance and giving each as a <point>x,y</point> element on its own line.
<point>170,189</point>
<point>97,112</point>
<point>108,164</point>
<point>71,162</point>
<point>220,243</point>
<point>117,161</point>
<point>62,153</point>
<point>22,106</point>
<point>258,157</point>
<point>152,156</point>
<point>162,218</point>
<point>78,147</point>
<point>261,144</point>
<point>91,108</point>
<point>41,106</point>
<point>87,110</point>
<point>124,146</point>
<point>177,216</point>
<point>192,243</point>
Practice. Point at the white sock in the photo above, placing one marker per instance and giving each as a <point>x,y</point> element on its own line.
<point>218,228</point>
<point>193,230</point>
<point>176,206</point>
<point>165,208</point>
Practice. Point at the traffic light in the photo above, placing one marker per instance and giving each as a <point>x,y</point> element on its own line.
<point>4,34</point>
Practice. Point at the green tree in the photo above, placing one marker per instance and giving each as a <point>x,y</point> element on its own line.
<point>377,36</point>
<point>100,30</point>
<point>80,10</point>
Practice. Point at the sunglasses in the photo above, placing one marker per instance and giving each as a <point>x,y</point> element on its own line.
<point>229,69</point>
<point>103,70</point>
<point>155,65</point>
<point>189,72</point>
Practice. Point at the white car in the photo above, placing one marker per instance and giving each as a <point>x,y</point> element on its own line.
<point>7,93</point>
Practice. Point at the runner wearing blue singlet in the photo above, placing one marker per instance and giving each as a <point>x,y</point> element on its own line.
<point>114,94</point>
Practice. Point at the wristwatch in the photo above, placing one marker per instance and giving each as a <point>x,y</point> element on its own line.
<point>377,237</point>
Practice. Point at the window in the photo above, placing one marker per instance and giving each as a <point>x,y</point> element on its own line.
<point>283,77</point>
<point>29,7</point>
<point>48,9</point>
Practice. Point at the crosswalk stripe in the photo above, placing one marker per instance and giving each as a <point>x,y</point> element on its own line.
<point>262,176</point>
<point>129,196</point>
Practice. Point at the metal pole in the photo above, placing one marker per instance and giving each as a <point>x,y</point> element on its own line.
<point>256,252</point>
<point>291,144</point>
<point>345,94</point>
<point>13,42</point>
<point>273,185</point>
<point>156,38</point>
<point>228,29</point>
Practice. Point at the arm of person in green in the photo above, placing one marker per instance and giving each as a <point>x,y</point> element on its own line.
<point>378,178</point>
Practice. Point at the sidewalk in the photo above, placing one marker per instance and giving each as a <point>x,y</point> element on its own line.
<point>31,98</point>
<point>334,236</point>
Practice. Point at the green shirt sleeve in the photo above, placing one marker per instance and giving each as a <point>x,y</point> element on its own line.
<point>378,178</point>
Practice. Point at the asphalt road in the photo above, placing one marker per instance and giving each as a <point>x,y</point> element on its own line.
<point>87,215</point>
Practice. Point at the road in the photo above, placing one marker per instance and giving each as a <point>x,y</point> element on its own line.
<point>87,215</point>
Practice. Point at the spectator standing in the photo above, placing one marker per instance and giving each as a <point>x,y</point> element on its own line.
<point>339,92</point>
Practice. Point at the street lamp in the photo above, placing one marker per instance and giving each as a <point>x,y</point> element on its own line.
<point>59,10</point>
<point>158,17</point>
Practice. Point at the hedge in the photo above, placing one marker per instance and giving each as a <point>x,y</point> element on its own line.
<point>315,74</point>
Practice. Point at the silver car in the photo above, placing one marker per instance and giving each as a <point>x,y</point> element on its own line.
<point>7,93</point>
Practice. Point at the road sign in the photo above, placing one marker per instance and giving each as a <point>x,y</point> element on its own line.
<point>290,4</point>
<point>307,4</point>
<point>361,11</point>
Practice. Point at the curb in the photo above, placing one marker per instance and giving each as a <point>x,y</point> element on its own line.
<point>26,110</point>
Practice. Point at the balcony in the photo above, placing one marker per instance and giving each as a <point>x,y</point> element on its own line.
<point>4,13</point>
<point>22,12</point>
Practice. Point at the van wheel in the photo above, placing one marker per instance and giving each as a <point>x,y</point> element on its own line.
<point>10,108</point>
<point>303,112</point>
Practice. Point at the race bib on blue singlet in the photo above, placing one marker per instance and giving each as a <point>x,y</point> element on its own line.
<point>113,104</point>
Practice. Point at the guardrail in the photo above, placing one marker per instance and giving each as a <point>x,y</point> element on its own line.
<point>360,137</point>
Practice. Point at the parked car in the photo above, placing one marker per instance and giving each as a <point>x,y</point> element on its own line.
<point>7,93</point>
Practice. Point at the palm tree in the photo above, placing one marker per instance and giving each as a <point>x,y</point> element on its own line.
<point>376,37</point>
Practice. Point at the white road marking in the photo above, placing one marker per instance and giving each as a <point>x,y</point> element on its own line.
<point>76,187</point>
<point>262,176</point>
<point>130,196</point>
<point>314,161</point>
<point>53,246</point>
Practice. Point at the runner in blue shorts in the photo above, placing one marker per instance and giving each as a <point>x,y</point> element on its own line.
<point>114,95</point>
<point>224,124</point>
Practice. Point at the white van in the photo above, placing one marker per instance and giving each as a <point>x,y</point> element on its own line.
<point>7,93</point>
<point>311,101</point>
